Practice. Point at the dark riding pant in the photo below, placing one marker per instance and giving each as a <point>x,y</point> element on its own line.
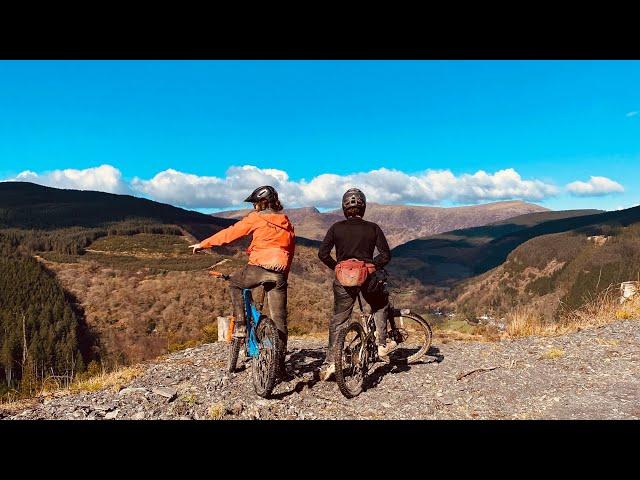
<point>343,301</point>
<point>275,286</point>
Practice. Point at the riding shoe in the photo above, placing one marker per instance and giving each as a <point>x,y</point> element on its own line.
<point>240,330</point>
<point>385,350</point>
<point>327,371</point>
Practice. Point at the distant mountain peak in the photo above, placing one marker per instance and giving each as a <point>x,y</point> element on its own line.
<point>303,210</point>
<point>403,223</point>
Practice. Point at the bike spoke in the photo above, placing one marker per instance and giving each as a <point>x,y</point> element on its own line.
<point>353,359</point>
<point>263,374</point>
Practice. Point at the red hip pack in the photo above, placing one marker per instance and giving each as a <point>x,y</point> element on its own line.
<point>353,272</point>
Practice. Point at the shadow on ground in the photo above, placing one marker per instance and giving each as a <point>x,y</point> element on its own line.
<point>376,376</point>
<point>307,360</point>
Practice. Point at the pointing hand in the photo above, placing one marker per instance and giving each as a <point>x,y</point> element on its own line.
<point>196,247</point>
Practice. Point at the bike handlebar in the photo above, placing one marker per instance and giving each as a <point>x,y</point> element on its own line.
<point>220,275</point>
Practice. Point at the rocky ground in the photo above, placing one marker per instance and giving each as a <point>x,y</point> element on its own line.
<point>591,374</point>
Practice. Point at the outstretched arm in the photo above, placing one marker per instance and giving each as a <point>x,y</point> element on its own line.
<point>237,230</point>
<point>324,253</point>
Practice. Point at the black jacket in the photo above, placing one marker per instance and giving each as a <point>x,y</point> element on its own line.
<point>355,238</point>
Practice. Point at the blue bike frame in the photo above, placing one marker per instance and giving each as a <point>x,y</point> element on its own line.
<point>253,316</point>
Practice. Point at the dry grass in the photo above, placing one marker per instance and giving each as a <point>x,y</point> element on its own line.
<point>50,387</point>
<point>216,411</point>
<point>524,321</point>
<point>607,342</point>
<point>17,406</point>
<point>189,399</point>
<point>445,336</point>
<point>552,353</point>
<point>115,379</point>
<point>601,310</point>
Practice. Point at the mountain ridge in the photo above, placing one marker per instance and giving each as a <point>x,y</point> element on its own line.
<point>451,256</point>
<point>402,223</point>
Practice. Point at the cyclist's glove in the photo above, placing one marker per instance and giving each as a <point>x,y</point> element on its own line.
<point>377,281</point>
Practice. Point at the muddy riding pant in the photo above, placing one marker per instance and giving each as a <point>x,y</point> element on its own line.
<point>275,285</point>
<point>343,300</point>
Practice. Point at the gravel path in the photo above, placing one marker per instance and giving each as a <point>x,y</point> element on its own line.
<point>592,374</point>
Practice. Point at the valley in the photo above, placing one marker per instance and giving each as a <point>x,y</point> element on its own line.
<point>136,292</point>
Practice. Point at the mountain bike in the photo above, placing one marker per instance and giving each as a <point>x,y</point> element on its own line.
<point>357,350</point>
<point>262,343</point>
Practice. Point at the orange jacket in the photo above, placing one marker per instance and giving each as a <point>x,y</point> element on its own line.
<point>273,241</point>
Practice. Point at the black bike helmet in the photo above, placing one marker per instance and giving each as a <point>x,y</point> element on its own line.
<point>261,193</point>
<point>354,198</point>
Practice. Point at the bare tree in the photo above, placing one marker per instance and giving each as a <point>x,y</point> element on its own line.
<point>24,341</point>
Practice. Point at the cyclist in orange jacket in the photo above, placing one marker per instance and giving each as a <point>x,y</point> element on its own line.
<point>270,256</point>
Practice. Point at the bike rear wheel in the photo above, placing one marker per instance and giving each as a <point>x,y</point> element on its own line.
<point>351,359</point>
<point>265,365</point>
<point>234,350</point>
<point>413,335</point>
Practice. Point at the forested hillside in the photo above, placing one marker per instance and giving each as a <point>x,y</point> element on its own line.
<point>44,334</point>
<point>64,217</point>
<point>556,273</point>
<point>449,257</point>
<point>40,334</point>
<point>26,205</point>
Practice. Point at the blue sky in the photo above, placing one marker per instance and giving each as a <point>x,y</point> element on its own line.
<point>200,133</point>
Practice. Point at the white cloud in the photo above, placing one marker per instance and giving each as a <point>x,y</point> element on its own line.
<point>632,114</point>
<point>325,191</point>
<point>104,178</point>
<point>178,188</point>
<point>383,186</point>
<point>595,187</point>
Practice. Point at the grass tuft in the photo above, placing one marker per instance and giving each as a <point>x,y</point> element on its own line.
<point>116,379</point>
<point>552,353</point>
<point>216,411</point>
<point>601,310</point>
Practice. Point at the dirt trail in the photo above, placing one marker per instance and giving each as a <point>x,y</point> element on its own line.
<point>592,374</point>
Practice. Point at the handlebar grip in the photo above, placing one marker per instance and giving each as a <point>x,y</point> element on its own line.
<point>219,275</point>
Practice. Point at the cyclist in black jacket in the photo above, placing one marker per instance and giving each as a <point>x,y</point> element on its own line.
<point>357,238</point>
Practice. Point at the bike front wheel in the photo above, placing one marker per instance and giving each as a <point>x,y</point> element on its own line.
<point>413,335</point>
<point>265,364</point>
<point>351,359</point>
